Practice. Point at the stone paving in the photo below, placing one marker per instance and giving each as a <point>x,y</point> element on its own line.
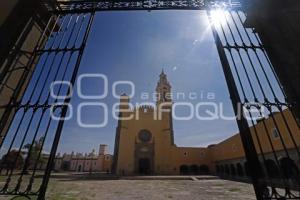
<point>83,187</point>
<point>149,190</point>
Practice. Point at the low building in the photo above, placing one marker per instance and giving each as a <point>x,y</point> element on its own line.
<point>228,157</point>
<point>79,162</point>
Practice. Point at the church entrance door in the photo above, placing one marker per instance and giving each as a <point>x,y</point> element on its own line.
<point>144,166</point>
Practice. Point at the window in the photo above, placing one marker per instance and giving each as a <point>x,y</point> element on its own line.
<point>275,133</point>
<point>145,135</point>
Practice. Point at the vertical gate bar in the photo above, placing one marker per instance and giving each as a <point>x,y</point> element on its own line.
<point>250,152</point>
<point>58,132</point>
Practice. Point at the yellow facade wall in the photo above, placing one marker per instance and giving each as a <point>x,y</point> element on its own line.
<point>169,158</point>
<point>262,133</point>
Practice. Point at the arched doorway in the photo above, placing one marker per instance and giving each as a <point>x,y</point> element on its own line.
<point>222,170</point>
<point>218,169</point>
<point>289,168</point>
<point>144,166</point>
<point>232,170</point>
<point>272,169</point>
<point>184,170</point>
<point>194,169</point>
<point>204,169</point>
<point>66,165</point>
<point>227,172</point>
<point>240,171</point>
<point>79,169</point>
<point>144,153</point>
<point>247,170</point>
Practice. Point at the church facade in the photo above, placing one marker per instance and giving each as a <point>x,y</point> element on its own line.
<point>144,141</point>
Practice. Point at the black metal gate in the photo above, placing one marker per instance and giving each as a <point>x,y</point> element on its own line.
<point>260,104</point>
<point>254,89</point>
<point>32,126</point>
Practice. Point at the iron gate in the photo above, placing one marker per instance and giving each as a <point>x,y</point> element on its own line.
<point>32,127</point>
<point>256,91</point>
<point>253,85</point>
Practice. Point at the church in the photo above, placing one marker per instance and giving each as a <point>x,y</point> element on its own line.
<point>144,143</point>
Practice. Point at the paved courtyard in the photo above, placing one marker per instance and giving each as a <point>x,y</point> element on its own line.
<point>148,190</point>
<point>83,187</point>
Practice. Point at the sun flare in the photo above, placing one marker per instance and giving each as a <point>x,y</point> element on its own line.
<point>218,17</point>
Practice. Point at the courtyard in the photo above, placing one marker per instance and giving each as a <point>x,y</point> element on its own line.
<point>189,188</point>
<point>85,187</point>
<point>148,189</point>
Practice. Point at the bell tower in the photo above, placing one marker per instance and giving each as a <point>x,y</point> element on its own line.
<point>163,89</point>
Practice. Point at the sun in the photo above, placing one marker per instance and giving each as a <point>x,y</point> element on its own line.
<point>218,17</point>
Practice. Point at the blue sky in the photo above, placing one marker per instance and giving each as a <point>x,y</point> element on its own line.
<point>135,46</point>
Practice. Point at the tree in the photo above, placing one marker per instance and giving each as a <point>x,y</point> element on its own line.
<point>35,154</point>
<point>12,160</point>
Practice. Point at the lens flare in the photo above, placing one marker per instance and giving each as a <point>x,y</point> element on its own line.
<point>218,17</point>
